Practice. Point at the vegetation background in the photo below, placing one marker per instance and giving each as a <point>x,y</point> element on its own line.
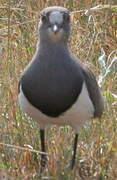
<point>94,41</point>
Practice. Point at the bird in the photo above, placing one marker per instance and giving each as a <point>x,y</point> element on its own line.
<point>56,88</point>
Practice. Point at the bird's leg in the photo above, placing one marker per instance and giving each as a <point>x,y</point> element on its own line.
<point>74,151</point>
<point>43,156</point>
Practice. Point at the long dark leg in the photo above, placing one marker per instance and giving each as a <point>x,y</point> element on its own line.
<point>43,149</point>
<point>74,151</point>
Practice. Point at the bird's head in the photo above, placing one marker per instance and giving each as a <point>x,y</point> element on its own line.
<point>54,25</point>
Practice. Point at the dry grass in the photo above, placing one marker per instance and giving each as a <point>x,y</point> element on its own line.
<point>92,31</point>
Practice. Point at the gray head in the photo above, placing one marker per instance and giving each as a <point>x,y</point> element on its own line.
<point>54,25</point>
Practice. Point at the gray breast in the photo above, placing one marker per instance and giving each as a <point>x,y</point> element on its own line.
<point>52,87</point>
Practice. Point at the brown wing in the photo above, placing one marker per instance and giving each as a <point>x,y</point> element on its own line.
<point>19,87</point>
<point>94,92</point>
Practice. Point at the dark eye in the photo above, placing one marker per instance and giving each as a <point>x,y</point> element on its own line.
<point>67,17</point>
<point>43,18</point>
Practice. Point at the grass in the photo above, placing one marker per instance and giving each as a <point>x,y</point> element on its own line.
<point>92,31</point>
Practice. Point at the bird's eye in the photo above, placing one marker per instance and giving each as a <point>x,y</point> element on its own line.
<point>67,17</point>
<point>43,18</point>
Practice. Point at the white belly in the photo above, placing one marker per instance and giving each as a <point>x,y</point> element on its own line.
<point>76,116</point>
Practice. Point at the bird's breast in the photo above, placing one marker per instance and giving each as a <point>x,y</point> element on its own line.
<point>76,116</point>
<point>53,91</point>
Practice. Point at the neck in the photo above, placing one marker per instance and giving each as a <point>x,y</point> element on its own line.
<point>47,46</point>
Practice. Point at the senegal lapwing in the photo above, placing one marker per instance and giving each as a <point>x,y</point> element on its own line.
<point>56,88</point>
